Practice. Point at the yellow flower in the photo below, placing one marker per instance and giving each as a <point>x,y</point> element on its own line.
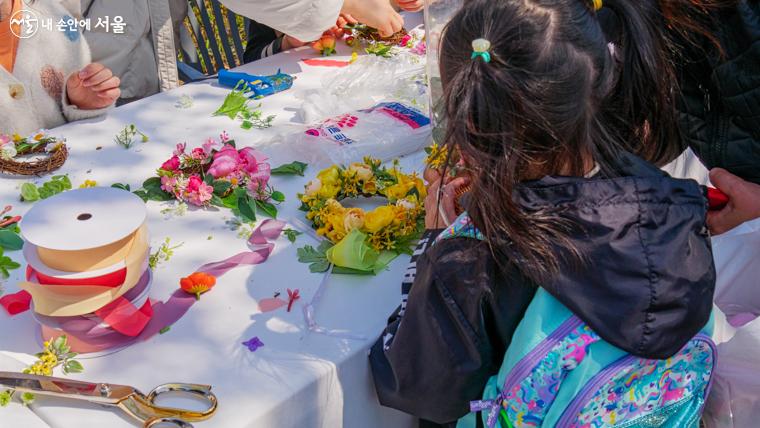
<point>354,219</point>
<point>88,183</point>
<point>379,218</point>
<point>406,204</point>
<point>329,176</point>
<point>397,191</point>
<point>362,171</point>
<point>437,155</point>
<point>17,138</point>
<point>369,187</point>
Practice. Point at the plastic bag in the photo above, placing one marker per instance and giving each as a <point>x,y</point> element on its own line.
<point>734,400</point>
<point>737,291</point>
<point>366,82</point>
<point>385,131</point>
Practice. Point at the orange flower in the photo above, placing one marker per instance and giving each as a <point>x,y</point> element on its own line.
<point>197,283</point>
<point>325,45</point>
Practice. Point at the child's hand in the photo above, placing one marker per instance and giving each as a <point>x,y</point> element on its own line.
<point>93,87</point>
<point>376,14</point>
<point>440,215</point>
<point>743,204</point>
<point>289,42</point>
<point>411,5</point>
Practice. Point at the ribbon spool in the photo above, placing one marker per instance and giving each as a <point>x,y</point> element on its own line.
<point>87,256</point>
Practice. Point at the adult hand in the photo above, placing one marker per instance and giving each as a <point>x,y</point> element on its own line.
<point>377,14</point>
<point>411,5</point>
<point>743,202</point>
<point>439,215</point>
<point>93,87</point>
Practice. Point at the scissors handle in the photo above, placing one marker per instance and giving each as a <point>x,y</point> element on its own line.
<point>144,408</point>
<point>179,423</point>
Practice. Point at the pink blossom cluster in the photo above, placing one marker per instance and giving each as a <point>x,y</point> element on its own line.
<point>182,174</point>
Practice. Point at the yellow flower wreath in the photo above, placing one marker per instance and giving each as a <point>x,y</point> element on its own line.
<point>388,227</point>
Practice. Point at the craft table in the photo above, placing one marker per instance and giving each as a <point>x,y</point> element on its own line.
<point>297,379</point>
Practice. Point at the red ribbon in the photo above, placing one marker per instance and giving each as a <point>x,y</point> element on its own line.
<point>113,279</point>
<point>315,62</point>
<point>16,303</point>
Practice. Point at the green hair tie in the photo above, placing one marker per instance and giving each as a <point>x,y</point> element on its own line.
<point>480,48</point>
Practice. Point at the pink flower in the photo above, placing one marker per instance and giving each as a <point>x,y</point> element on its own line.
<point>226,161</point>
<point>405,40</point>
<point>210,145</point>
<point>420,49</point>
<point>198,192</point>
<point>255,165</point>
<point>180,149</point>
<point>170,185</point>
<point>198,154</point>
<point>171,165</point>
<point>4,139</point>
<point>224,136</point>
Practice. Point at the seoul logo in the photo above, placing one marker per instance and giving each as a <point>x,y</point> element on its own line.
<point>24,24</point>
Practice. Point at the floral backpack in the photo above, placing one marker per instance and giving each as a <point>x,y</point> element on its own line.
<point>558,373</point>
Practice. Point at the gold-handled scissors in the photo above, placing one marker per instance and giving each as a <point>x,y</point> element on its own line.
<point>133,402</point>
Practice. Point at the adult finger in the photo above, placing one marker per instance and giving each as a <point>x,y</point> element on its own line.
<point>725,181</point>
<point>349,18</point>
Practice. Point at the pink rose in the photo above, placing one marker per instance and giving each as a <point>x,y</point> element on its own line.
<point>198,154</point>
<point>168,184</point>
<point>255,165</point>
<point>172,164</point>
<point>226,161</point>
<point>198,192</point>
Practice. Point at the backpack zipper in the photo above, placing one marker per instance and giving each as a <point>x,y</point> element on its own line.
<point>603,376</point>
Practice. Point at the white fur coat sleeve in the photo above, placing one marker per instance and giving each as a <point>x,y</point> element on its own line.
<point>305,20</point>
<point>34,95</point>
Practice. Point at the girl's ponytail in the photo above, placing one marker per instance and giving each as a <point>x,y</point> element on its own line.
<point>642,105</point>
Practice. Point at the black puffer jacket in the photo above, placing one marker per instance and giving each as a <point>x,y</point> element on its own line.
<point>720,104</point>
<point>647,288</point>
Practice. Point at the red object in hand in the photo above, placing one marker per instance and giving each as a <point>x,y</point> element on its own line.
<point>716,200</point>
<point>292,297</point>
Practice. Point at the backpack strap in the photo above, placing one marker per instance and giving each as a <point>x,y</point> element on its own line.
<point>462,227</point>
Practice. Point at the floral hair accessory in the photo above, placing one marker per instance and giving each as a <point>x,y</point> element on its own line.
<point>481,47</point>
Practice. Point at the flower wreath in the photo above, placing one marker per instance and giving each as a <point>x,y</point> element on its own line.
<point>53,151</point>
<point>392,227</point>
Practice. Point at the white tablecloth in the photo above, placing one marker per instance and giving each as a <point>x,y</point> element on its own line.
<point>297,379</point>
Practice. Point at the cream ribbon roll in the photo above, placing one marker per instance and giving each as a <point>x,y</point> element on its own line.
<point>67,300</point>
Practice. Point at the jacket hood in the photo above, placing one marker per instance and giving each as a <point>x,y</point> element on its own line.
<point>647,278</point>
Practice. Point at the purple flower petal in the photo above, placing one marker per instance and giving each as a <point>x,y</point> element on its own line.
<point>253,344</point>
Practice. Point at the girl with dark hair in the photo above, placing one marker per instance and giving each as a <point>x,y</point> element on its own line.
<point>534,100</point>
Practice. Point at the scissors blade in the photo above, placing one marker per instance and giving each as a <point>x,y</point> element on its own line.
<point>103,393</point>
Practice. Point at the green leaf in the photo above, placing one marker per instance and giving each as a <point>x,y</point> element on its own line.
<point>217,201</point>
<point>233,103</point>
<point>74,366</point>
<point>278,196</point>
<point>59,342</point>
<point>293,168</point>
<point>165,329</point>
<point>339,270</point>
<point>221,187</point>
<point>151,183</point>
<point>247,208</point>
<point>308,254</point>
<point>230,201</point>
<point>266,208</point>
<point>29,192</point>
<point>5,397</point>
<point>6,265</point>
<point>319,267</point>
<point>10,240</point>
<point>142,194</point>
<point>121,186</point>
<point>291,234</point>
<point>159,195</point>
<point>66,182</point>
